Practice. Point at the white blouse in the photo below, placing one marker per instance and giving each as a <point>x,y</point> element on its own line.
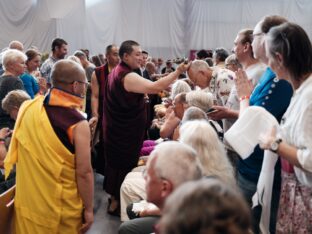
<point>296,129</point>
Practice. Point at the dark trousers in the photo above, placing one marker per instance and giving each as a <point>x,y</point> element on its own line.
<point>248,189</point>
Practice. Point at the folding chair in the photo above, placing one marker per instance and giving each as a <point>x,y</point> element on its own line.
<point>7,210</point>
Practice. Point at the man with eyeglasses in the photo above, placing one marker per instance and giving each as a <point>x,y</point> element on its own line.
<point>162,180</point>
<point>274,95</point>
<point>51,149</point>
<point>254,69</point>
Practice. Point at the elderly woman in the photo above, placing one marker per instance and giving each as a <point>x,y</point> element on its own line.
<point>202,137</point>
<point>290,56</point>
<point>274,95</point>
<point>232,63</point>
<point>11,104</point>
<point>179,86</point>
<point>14,66</point>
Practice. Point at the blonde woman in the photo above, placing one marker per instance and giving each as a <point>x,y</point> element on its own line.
<point>202,137</point>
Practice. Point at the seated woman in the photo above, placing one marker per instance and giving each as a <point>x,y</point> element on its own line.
<point>164,123</point>
<point>133,186</point>
<point>205,206</point>
<point>10,104</point>
<point>201,136</point>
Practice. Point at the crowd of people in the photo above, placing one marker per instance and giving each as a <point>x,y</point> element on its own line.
<point>158,135</point>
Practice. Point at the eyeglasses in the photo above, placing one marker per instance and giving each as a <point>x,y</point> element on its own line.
<point>80,82</point>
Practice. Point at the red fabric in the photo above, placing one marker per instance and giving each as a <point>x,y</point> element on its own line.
<point>286,166</point>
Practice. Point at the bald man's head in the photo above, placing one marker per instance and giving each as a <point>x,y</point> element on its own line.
<point>199,65</point>
<point>16,45</point>
<point>200,73</point>
<point>66,72</point>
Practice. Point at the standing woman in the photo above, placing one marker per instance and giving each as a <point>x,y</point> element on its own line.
<point>14,66</point>
<point>32,63</point>
<point>290,56</point>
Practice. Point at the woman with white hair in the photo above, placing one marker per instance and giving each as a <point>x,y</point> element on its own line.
<point>179,86</point>
<point>203,138</point>
<point>200,99</point>
<point>14,65</point>
<point>204,101</point>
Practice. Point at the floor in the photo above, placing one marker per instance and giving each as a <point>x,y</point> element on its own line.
<point>103,222</point>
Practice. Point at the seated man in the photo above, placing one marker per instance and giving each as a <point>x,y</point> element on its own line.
<point>161,180</point>
<point>51,149</point>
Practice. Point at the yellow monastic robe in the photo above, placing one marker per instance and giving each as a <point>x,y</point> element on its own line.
<point>47,199</point>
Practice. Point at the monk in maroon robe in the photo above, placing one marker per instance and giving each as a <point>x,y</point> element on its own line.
<point>124,116</point>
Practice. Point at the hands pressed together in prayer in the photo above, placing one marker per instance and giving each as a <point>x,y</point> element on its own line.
<point>243,84</point>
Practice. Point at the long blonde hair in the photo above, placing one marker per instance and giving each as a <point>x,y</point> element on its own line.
<point>203,138</point>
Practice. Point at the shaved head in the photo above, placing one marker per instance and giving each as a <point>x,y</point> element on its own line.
<point>67,71</point>
<point>200,73</point>
<point>16,45</point>
<point>199,65</point>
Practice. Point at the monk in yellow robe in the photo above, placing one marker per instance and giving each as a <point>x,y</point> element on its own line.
<point>51,149</point>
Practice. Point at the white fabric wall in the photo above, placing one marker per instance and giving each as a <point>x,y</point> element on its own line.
<point>166,28</point>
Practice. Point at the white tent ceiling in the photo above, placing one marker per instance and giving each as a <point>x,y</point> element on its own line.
<point>166,28</point>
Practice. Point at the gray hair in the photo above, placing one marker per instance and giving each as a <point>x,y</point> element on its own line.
<point>202,137</point>
<point>74,58</point>
<point>11,56</point>
<point>176,162</point>
<point>16,45</point>
<point>200,99</point>
<point>199,65</point>
<point>13,99</point>
<point>232,59</point>
<point>194,113</point>
<point>80,54</point>
<point>179,86</point>
<point>206,206</point>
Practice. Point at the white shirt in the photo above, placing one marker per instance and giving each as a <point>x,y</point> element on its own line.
<point>296,129</point>
<point>221,84</point>
<point>254,73</point>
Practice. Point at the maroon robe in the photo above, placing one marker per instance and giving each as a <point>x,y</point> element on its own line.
<point>124,123</point>
<point>101,75</point>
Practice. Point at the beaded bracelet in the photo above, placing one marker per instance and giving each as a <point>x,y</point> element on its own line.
<point>244,97</point>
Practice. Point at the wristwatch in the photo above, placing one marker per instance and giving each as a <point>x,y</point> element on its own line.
<point>275,144</point>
